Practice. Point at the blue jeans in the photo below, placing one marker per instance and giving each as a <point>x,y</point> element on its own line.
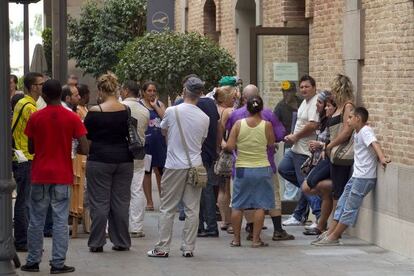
<point>40,197</point>
<point>289,169</point>
<point>351,199</point>
<point>21,173</point>
<point>208,203</point>
<point>48,229</point>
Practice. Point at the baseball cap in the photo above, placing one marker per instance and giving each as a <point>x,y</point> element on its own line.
<point>288,86</point>
<point>194,85</point>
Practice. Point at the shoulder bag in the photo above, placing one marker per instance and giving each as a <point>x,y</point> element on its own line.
<point>196,176</point>
<point>224,164</point>
<point>343,154</point>
<point>135,144</point>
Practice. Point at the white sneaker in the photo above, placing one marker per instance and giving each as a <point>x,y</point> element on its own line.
<point>312,226</point>
<point>292,222</point>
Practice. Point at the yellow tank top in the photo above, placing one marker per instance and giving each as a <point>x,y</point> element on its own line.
<point>251,146</point>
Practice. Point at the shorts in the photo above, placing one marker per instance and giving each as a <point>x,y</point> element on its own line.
<point>340,176</point>
<point>160,169</point>
<point>320,172</point>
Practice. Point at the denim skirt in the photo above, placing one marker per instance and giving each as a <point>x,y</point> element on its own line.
<point>253,189</point>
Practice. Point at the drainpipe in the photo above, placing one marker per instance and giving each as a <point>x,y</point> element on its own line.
<point>353,44</point>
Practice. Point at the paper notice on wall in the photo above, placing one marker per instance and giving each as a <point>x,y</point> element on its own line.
<point>285,71</point>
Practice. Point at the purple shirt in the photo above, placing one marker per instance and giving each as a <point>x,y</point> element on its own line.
<point>267,115</point>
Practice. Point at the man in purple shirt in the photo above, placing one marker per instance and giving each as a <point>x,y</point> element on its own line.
<point>279,131</point>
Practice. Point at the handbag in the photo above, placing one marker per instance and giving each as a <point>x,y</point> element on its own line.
<point>224,164</point>
<point>135,144</point>
<point>308,165</point>
<point>196,176</point>
<point>343,154</point>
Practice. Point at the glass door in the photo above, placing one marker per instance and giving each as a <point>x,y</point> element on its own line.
<point>279,54</point>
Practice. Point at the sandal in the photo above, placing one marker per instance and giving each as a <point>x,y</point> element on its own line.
<point>149,208</point>
<point>312,232</point>
<point>235,244</point>
<point>230,229</point>
<point>260,244</point>
<point>224,227</point>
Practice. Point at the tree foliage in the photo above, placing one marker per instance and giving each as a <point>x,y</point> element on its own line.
<point>167,57</point>
<point>102,31</point>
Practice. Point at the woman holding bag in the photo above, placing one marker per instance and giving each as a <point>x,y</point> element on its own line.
<point>340,133</point>
<point>225,97</point>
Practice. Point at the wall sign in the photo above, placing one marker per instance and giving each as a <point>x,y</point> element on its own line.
<point>285,71</point>
<point>160,15</point>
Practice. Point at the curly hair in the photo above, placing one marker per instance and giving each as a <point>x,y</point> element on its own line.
<point>108,83</point>
<point>342,90</point>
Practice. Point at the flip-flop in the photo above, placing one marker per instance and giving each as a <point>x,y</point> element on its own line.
<point>230,229</point>
<point>260,244</point>
<point>224,227</point>
<point>235,244</point>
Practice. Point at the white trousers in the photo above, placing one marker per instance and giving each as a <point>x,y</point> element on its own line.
<point>138,201</point>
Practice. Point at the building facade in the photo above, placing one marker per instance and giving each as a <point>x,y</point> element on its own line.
<point>371,41</point>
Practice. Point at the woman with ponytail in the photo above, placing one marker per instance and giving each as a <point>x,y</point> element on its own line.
<point>252,186</point>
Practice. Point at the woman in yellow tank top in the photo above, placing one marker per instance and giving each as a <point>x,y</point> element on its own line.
<point>252,186</point>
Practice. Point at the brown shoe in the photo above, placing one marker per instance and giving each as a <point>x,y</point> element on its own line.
<point>282,236</point>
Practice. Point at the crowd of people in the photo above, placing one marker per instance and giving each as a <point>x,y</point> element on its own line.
<point>330,153</point>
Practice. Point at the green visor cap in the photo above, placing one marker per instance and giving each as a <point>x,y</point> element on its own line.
<point>227,81</point>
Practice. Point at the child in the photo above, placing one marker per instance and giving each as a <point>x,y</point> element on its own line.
<point>367,151</point>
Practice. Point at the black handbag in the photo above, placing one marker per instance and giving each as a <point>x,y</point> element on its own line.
<point>135,144</point>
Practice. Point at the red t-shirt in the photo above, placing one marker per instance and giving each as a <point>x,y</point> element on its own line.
<point>51,130</point>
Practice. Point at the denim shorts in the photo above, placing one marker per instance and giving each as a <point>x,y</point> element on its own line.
<point>351,199</point>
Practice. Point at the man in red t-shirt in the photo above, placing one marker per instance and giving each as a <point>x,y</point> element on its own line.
<point>50,132</point>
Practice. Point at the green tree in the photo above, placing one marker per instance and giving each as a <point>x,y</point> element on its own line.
<point>102,31</point>
<point>37,28</point>
<point>167,57</point>
<point>16,32</point>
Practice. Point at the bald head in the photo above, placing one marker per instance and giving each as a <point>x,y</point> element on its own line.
<point>250,91</point>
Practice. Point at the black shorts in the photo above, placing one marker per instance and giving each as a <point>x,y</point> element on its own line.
<point>160,169</point>
<point>340,176</point>
<point>320,172</point>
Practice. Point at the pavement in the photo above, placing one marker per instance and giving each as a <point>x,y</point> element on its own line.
<point>215,257</point>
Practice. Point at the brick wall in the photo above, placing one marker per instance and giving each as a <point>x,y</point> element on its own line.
<point>388,73</point>
<point>325,47</point>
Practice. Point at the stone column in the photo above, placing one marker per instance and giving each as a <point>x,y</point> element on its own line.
<point>353,41</point>
<point>47,13</point>
<point>59,40</point>
<point>7,250</point>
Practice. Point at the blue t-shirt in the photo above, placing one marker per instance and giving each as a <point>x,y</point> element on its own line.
<point>209,148</point>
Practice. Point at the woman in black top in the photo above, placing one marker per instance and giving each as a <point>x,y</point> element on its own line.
<point>109,168</point>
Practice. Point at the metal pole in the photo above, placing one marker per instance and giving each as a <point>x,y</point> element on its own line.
<point>7,250</point>
<point>26,37</point>
<point>59,40</point>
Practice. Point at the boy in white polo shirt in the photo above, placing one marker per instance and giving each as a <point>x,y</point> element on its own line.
<point>367,153</point>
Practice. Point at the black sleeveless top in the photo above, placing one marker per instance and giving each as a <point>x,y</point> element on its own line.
<point>108,132</point>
